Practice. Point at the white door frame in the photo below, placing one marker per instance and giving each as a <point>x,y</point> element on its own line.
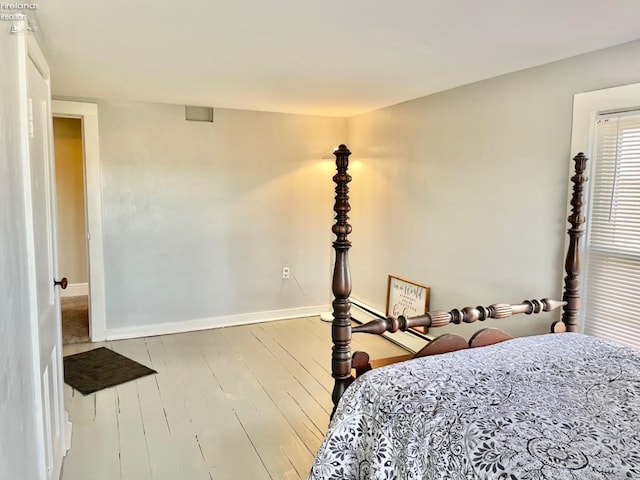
<point>88,114</point>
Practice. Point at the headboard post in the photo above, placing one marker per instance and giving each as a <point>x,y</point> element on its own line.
<point>573,262</point>
<point>341,327</point>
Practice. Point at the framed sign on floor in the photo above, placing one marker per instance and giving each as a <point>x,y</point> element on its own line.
<point>407,298</point>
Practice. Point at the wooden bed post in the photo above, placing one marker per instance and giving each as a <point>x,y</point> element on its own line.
<point>341,327</point>
<point>573,262</point>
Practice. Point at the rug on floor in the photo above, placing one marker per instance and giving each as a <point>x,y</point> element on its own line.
<point>101,368</point>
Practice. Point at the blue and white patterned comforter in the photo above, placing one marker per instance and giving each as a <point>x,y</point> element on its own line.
<point>557,407</point>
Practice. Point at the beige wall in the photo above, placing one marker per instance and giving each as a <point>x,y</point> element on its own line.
<point>72,244</point>
<point>199,218</point>
<point>466,190</point>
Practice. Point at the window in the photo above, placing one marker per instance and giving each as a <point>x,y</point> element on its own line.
<point>612,275</point>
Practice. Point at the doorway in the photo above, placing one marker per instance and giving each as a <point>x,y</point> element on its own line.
<point>85,117</point>
<point>72,237</point>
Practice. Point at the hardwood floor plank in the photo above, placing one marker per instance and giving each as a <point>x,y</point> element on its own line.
<point>247,402</point>
<point>95,436</point>
<point>76,465</point>
<point>226,450</point>
<point>317,386</point>
<point>300,437</point>
<point>254,410</point>
<point>173,417</point>
<point>284,390</point>
<point>134,456</point>
<point>163,462</point>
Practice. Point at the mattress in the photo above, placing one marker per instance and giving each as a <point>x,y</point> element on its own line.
<point>557,406</point>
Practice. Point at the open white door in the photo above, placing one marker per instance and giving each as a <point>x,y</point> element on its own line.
<point>88,114</point>
<point>46,298</point>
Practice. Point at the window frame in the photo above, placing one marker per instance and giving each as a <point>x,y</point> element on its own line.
<point>586,109</point>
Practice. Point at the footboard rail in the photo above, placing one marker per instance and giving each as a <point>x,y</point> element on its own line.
<point>440,318</point>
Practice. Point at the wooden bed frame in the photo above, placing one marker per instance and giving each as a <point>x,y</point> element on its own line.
<point>343,363</point>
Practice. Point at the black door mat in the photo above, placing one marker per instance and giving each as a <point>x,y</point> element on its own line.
<point>101,368</point>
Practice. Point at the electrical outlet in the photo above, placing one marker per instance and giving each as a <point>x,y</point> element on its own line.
<point>285,272</point>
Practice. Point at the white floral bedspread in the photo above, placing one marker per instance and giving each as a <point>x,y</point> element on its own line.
<point>557,407</point>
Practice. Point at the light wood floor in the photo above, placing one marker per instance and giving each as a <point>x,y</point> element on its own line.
<point>249,402</point>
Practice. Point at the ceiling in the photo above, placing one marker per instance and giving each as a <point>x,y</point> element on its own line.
<point>320,57</point>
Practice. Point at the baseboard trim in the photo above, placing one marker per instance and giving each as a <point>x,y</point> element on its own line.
<point>412,341</point>
<point>212,322</point>
<point>75,289</point>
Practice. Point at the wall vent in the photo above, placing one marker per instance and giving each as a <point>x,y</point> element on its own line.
<point>198,114</point>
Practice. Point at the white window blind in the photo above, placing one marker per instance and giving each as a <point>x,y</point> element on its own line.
<point>612,274</point>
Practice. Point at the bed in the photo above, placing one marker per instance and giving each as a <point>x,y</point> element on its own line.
<point>557,406</point>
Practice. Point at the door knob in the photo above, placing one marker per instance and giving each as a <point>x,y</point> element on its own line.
<point>62,283</point>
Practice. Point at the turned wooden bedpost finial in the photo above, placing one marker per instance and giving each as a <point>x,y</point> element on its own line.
<point>573,262</point>
<point>341,327</point>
